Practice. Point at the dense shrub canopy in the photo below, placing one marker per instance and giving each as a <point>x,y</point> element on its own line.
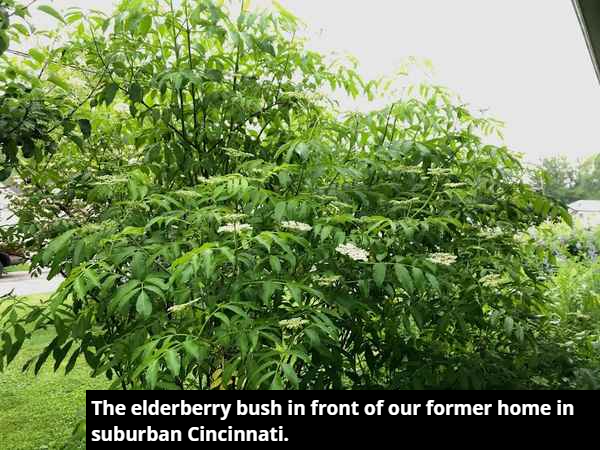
<point>222,225</point>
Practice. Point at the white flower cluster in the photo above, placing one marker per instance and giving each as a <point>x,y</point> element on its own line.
<point>352,251</point>
<point>406,202</point>
<point>234,228</point>
<point>293,324</point>
<point>178,308</point>
<point>490,233</point>
<point>444,259</point>
<point>491,280</point>
<point>454,185</point>
<point>438,171</point>
<point>298,226</point>
<point>521,238</point>
<point>121,108</point>
<point>411,169</point>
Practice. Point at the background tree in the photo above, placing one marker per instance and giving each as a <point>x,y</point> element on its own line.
<point>568,181</point>
<point>38,109</point>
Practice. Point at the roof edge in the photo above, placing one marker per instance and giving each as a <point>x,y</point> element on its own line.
<point>588,40</point>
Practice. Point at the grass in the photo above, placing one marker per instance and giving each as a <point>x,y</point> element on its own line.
<point>40,412</point>
<point>17,268</point>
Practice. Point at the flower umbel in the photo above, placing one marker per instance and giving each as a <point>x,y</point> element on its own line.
<point>298,226</point>
<point>352,251</point>
<point>444,259</point>
<point>490,233</point>
<point>293,324</point>
<point>438,171</point>
<point>454,185</point>
<point>234,228</point>
<point>491,280</point>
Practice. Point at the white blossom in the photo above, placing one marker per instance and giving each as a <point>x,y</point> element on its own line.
<point>178,308</point>
<point>293,324</point>
<point>491,280</point>
<point>234,228</point>
<point>411,169</point>
<point>490,233</point>
<point>352,251</point>
<point>454,185</point>
<point>444,259</point>
<point>438,171</point>
<point>298,226</point>
<point>122,108</point>
<point>406,202</point>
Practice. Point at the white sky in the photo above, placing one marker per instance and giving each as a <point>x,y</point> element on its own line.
<point>524,60</point>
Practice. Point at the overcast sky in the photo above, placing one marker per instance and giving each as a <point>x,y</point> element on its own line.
<point>524,60</point>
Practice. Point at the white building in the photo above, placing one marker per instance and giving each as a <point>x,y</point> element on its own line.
<point>587,212</point>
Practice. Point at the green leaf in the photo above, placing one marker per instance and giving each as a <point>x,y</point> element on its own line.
<point>86,127</point>
<point>123,294</point>
<point>4,41</point>
<point>379,270</point>
<point>173,362</point>
<point>5,172</point>
<point>28,148</point>
<point>136,93</point>
<point>290,374</point>
<point>508,325</point>
<point>418,278</point>
<point>52,12</point>
<point>109,93</point>
<point>214,75</point>
<point>37,55</point>
<point>275,264</point>
<point>404,278</point>
<point>268,289</point>
<point>222,317</point>
<point>237,310</point>
<point>57,244</point>
<point>433,281</point>
<point>58,81</point>
<point>519,333</point>
<point>267,47</point>
<point>152,374</point>
<point>194,349</point>
<point>138,266</point>
<point>21,29</point>
<point>144,305</point>
<point>145,25</point>
<point>280,209</point>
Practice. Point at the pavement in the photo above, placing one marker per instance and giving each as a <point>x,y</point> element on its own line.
<point>21,283</point>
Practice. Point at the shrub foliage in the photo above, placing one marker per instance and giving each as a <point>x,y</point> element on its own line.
<point>222,225</point>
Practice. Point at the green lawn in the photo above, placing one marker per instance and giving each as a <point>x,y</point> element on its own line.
<point>41,412</point>
<point>17,268</point>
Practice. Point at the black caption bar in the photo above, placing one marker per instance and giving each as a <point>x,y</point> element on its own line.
<point>161,419</point>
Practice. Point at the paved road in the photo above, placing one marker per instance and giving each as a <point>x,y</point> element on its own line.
<point>23,284</point>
